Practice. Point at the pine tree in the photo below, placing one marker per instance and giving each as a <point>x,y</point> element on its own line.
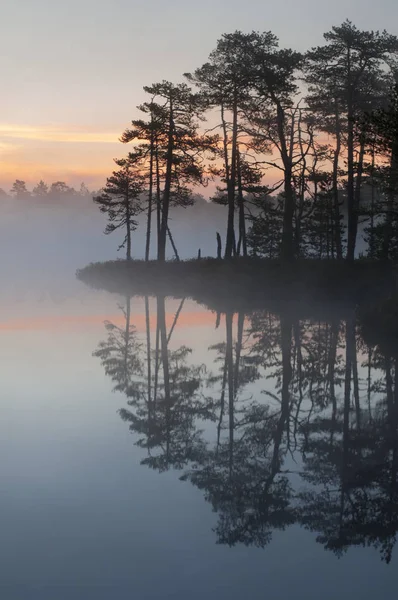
<point>273,117</point>
<point>382,129</point>
<point>19,190</point>
<point>60,190</point>
<point>224,84</point>
<point>174,143</point>
<point>120,200</point>
<point>145,160</point>
<point>40,190</point>
<point>342,76</point>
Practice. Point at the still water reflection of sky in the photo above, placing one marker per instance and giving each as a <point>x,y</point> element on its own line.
<point>81,517</point>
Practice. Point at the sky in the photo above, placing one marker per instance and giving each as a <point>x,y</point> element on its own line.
<point>73,71</point>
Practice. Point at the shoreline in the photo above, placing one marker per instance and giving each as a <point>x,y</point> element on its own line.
<point>249,283</point>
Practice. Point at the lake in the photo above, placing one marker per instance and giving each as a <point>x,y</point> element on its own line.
<point>152,447</point>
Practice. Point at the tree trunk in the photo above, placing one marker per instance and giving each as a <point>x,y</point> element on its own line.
<point>175,321</point>
<point>287,232</point>
<point>128,226</point>
<point>358,183</point>
<point>230,242</point>
<point>150,195</point>
<point>231,392</point>
<point>157,362</point>
<point>346,431</point>
<point>128,250</point>
<point>149,357</point>
<point>219,246</point>
<point>288,212</point>
<point>238,350</point>
<point>173,244</point>
<point>166,371</point>
<point>158,198</point>
<point>336,207</point>
<point>331,368</point>
<point>242,242</point>
<point>299,206</point>
<point>372,208</point>
<point>352,214</point>
<point>127,339</point>
<point>222,402</point>
<point>167,187</point>
<point>286,343</point>
<point>352,350</point>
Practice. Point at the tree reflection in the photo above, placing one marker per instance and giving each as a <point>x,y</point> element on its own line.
<point>291,421</point>
<point>350,462</point>
<point>166,403</point>
<point>240,475</point>
<point>121,355</point>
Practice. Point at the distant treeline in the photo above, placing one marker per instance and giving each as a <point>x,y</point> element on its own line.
<point>43,191</point>
<point>324,121</point>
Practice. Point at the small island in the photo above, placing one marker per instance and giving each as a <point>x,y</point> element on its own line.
<point>302,151</point>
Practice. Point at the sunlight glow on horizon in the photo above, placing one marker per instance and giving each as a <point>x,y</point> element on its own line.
<point>56,133</point>
<point>74,155</point>
<point>57,152</point>
<point>73,73</point>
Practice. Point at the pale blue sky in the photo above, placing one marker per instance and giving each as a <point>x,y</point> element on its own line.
<point>77,67</point>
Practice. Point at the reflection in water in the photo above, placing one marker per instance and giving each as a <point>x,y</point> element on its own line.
<point>289,422</point>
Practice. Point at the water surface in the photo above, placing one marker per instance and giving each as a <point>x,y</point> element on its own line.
<point>258,456</point>
<point>153,448</point>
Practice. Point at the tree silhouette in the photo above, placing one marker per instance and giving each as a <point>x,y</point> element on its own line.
<point>224,84</point>
<point>40,190</point>
<point>59,189</point>
<point>19,190</point>
<point>173,141</point>
<point>382,129</point>
<point>342,74</point>
<point>120,201</point>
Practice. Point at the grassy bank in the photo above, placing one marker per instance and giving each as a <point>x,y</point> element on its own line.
<point>248,284</point>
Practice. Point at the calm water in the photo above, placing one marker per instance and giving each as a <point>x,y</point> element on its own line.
<point>151,448</point>
<point>257,458</point>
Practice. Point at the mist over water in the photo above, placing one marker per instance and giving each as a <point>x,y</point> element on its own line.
<point>93,506</point>
<point>44,246</point>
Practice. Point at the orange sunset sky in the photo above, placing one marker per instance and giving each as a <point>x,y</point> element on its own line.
<point>72,73</point>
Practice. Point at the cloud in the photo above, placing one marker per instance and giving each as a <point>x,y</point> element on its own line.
<point>56,133</point>
<point>56,151</point>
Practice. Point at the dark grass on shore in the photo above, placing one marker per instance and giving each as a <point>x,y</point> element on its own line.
<point>248,284</point>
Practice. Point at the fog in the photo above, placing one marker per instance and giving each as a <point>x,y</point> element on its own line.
<point>43,245</point>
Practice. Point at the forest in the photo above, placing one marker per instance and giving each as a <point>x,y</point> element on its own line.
<point>300,148</point>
